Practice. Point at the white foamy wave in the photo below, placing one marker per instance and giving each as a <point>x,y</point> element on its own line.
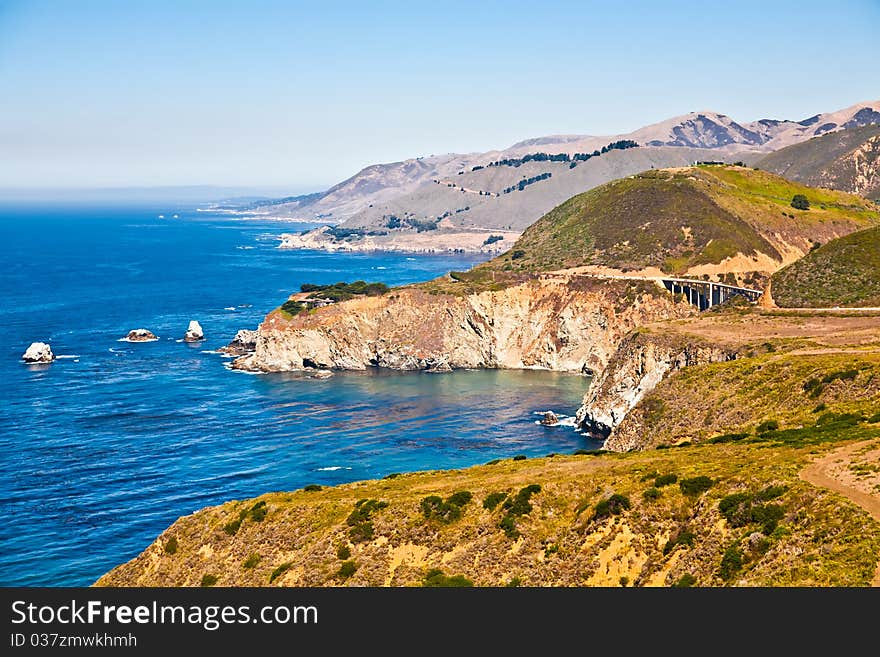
<point>228,366</point>
<point>564,420</point>
<point>332,468</point>
<point>127,340</point>
<point>245,247</point>
<point>380,267</point>
<point>229,308</point>
<point>60,356</point>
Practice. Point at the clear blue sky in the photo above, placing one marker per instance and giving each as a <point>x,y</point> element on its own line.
<point>303,95</point>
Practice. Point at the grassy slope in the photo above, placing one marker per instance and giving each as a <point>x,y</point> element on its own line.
<point>844,272</point>
<point>813,161</point>
<point>638,221</point>
<point>821,539</point>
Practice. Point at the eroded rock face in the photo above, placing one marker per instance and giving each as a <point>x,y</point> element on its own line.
<point>38,352</point>
<point>244,342</point>
<point>640,363</point>
<point>559,323</point>
<point>140,335</point>
<point>194,332</point>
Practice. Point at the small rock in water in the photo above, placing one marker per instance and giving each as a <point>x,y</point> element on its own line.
<point>140,335</point>
<point>38,352</point>
<point>549,419</point>
<point>322,374</point>
<point>194,332</point>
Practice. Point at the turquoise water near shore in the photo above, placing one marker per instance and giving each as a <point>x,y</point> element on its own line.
<point>110,444</point>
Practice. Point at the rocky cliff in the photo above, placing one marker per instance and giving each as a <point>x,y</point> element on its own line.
<point>640,363</point>
<point>565,323</point>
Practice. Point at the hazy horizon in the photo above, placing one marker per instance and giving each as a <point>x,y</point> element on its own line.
<point>292,98</point>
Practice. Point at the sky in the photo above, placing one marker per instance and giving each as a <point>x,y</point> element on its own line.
<point>298,96</point>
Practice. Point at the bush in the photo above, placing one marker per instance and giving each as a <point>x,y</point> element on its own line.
<point>683,537</point>
<point>731,563</point>
<point>728,438</point>
<point>171,545</point>
<point>513,583</point>
<point>614,505</point>
<point>771,493</point>
<point>434,507</point>
<point>346,570</point>
<point>392,475</point>
<point>343,552</point>
<point>519,457</point>
<point>766,426</point>
<point>696,485</point>
<point>736,509</point>
<point>800,202</point>
<point>232,526</point>
<point>768,516</point>
<point>685,581</point>
<point>492,500</point>
<point>361,532</point>
<point>652,494</point>
<point>279,571</point>
<point>516,255</point>
<point>209,580</point>
<point>251,561</point>
<point>436,578</point>
<point>508,524</point>
<point>665,480</point>
<point>312,488</point>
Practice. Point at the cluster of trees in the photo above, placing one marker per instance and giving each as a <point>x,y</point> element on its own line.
<point>344,233</point>
<point>420,225</point>
<point>342,291</point>
<point>619,145</point>
<point>525,182</point>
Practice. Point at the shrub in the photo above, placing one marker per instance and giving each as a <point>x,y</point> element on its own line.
<point>232,526</point>
<point>520,505</point>
<point>279,571</point>
<point>312,488</point>
<point>209,580</point>
<point>436,578</point>
<point>821,407</point>
<point>171,545</point>
<point>346,570</point>
<point>767,426</point>
<point>800,202</point>
<point>650,475</point>
<point>771,493</point>
<point>393,475</point>
<point>513,583</point>
<point>874,419</point>
<point>517,254</point>
<point>696,485</point>
<point>492,500</point>
<point>768,516</point>
<point>731,562</point>
<point>508,524</point>
<point>652,494</point>
<point>736,509</point>
<point>519,457</point>
<point>493,462</point>
<point>251,561</point>
<point>361,532</point>
<point>624,580</point>
<point>614,505</point>
<point>685,581</point>
<point>683,537</point>
<point>665,480</point>
<point>590,452</point>
<point>728,438</point>
<point>343,552</point>
<point>434,507</point>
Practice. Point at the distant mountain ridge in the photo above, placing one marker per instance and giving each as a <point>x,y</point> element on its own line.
<point>847,160</point>
<point>445,189</point>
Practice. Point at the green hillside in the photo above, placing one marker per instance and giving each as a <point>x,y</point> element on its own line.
<point>844,272</point>
<point>848,160</point>
<point>676,219</point>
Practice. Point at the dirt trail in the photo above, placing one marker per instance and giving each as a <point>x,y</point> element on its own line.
<point>831,471</point>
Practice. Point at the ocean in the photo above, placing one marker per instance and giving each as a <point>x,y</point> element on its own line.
<point>107,446</point>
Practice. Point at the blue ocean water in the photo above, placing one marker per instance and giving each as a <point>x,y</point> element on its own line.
<point>106,447</point>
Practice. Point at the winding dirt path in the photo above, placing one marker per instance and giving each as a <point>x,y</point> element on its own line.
<point>830,472</point>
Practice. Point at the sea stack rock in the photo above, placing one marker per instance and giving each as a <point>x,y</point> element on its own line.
<point>549,419</point>
<point>244,342</point>
<point>140,335</point>
<point>38,352</point>
<point>194,332</point>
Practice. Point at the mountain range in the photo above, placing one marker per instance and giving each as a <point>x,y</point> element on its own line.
<point>385,205</point>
